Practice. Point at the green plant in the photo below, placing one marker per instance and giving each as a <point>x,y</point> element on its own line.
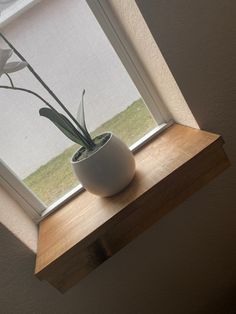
<point>129,125</point>
<point>74,129</point>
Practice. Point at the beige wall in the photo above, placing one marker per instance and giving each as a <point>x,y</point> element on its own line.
<point>14,218</point>
<point>186,263</point>
<point>136,31</point>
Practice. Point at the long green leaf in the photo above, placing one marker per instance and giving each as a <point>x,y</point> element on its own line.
<point>64,125</point>
<point>81,115</point>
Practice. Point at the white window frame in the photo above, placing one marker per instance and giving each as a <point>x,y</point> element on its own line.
<point>14,10</point>
<point>104,15</point>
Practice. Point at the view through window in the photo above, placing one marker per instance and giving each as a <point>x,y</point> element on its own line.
<point>65,44</point>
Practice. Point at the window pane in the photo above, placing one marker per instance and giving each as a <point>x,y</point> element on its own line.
<point>66,46</point>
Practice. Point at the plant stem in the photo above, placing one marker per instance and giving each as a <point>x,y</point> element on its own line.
<point>84,139</point>
<point>12,85</point>
<point>48,89</point>
<point>28,91</point>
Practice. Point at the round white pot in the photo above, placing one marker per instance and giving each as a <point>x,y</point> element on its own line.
<point>109,170</point>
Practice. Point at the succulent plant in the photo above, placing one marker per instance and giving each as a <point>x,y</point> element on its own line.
<point>74,128</point>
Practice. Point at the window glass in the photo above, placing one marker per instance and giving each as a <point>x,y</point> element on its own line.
<point>68,49</point>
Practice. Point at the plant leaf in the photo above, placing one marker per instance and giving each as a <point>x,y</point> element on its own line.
<point>14,66</point>
<point>5,54</point>
<point>80,113</point>
<point>64,125</point>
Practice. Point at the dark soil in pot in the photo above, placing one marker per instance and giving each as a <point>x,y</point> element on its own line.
<point>83,153</point>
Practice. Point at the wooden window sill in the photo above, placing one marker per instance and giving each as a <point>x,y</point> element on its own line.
<point>88,230</point>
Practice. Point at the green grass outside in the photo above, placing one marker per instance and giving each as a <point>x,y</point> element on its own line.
<point>55,178</point>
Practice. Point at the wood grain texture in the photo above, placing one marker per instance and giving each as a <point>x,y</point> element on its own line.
<point>88,230</point>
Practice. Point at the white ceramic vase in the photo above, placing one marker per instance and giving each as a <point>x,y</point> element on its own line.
<point>109,170</point>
